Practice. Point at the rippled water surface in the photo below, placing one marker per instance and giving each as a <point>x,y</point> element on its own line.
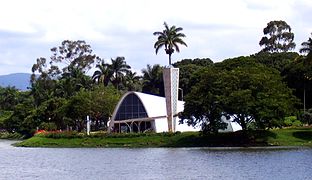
<point>153,163</point>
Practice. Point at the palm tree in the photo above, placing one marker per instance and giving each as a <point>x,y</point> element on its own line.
<point>119,67</point>
<point>131,81</point>
<point>169,38</point>
<point>103,74</point>
<point>307,48</point>
<point>152,80</point>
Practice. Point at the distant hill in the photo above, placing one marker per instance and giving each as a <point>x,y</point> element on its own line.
<point>19,80</point>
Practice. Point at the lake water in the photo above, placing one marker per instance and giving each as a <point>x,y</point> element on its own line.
<point>153,163</point>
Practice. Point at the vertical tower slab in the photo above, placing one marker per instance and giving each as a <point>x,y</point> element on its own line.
<point>171,84</point>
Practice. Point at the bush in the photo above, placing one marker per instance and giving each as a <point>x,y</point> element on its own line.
<point>292,121</point>
<point>7,135</point>
<point>306,118</point>
<point>48,126</point>
<point>61,134</point>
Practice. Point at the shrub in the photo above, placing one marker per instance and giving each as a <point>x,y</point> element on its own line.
<point>7,135</point>
<point>306,118</point>
<point>292,121</point>
<point>48,126</point>
<point>61,134</point>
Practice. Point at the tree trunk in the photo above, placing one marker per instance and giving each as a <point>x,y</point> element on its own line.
<point>169,59</point>
<point>243,123</point>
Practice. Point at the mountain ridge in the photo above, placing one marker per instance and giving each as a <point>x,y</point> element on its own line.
<point>20,81</point>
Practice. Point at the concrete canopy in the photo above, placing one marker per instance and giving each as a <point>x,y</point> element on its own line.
<point>138,112</point>
<point>125,115</point>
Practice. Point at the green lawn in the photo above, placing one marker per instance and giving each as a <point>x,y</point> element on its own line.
<point>280,137</point>
<point>292,137</point>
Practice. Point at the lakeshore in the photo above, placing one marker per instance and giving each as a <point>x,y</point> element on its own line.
<point>295,137</point>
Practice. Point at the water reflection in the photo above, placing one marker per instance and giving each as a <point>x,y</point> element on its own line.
<point>153,163</point>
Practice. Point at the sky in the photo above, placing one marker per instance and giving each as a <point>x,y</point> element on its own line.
<point>215,29</point>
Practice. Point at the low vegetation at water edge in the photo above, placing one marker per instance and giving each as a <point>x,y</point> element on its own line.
<point>278,137</point>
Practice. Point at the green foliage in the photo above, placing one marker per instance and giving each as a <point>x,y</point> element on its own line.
<point>170,38</point>
<point>307,48</point>
<point>202,105</point>
<point>292,121</point>
<point>276,60</point>
<point>48,126</point>
<point>117,73</point>
<point>119,67</point>
<point>4,117</point>
<point>243,89</point>
<point>187,67</point>
<point>103,102</point>
<point>61,134</point>
<point>103,74</point>
<point>75,54</point>
<point>283,137</point>
<point>131,82</point>
<point>153,80</point>
<point>278,37</point>
<point>7,135</point>
<point>298,76</point>
<point>9,97</point>
<point>306,117</point>
<point>198,62</point>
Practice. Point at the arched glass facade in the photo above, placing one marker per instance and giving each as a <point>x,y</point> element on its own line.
<point>131,108</point>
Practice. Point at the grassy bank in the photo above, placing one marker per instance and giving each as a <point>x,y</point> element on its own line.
<point>281,137</point>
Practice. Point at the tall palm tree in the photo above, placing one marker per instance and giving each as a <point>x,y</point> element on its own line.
<point>119,67</point>
<point>307,48</point>
<point>169,38</point>
<point>103,74</point>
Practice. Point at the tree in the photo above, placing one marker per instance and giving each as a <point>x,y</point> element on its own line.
<point>170,38</point>
<point>187,67</point>
<point>153,80</point>
<point>119,67</point>
<point>256,94</point>
<point>77,109</point>
<point>98,103</point>
<point>9,98</point>
<point>74,54</point>
<point>276,60</point>
<point>202,105</point>
<point>21,120</point>
<point>131,81</point>
<point>103,74</point>
<point>205,62</point>
<point>298,76</point>
<point>43,80</point>
<point>103,102</point>
<point>278,37</point>
<point>48,80</point>
<point>241,88</point>
<point>307,48</point>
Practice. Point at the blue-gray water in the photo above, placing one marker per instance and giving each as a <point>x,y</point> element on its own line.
<point>153,163</point>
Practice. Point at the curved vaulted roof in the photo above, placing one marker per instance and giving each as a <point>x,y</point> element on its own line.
<point>154,106</point>
<point>140,107</point>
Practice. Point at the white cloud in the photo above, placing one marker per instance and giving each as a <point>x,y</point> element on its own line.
<point>215,29</point>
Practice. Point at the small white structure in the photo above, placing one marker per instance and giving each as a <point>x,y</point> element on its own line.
<point>231,126</point>
<point>139,112</point>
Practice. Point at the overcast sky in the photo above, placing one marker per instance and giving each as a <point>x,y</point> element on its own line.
<point>216,29</point>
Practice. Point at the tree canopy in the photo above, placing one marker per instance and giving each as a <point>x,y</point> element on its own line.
<point>278,37</point>
<point>254,90</point>
<point>243,89</point>
<point>307,49</point>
